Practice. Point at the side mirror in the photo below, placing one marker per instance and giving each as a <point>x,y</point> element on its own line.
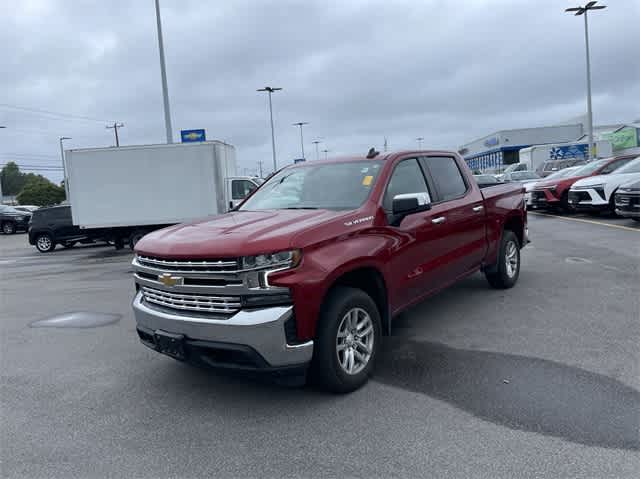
<point>407,204</point>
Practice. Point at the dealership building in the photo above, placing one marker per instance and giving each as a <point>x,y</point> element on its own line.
<point>493,151</point>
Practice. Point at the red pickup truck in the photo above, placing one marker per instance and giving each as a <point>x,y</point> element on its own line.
<point>306,275</point>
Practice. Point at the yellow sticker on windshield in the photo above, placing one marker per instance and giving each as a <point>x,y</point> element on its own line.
<point>366,181</point>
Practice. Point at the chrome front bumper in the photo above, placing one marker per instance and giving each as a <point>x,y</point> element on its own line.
<point>260,329</point>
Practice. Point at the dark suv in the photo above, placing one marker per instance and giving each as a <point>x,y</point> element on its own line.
<point>52,226</point>
<point>12,220</point>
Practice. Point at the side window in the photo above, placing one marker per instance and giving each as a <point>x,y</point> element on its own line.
<point>447,177</point>
<point>240,189</point>
<point>407,177</point>
<point>58,214</point>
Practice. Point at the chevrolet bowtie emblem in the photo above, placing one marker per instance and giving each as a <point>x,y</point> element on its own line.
<point>169,280</point>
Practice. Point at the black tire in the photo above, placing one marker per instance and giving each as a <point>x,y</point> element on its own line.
<point>326,369</point>
<point>136,236</point>
<point>504,275</point>
<point>8,227</point>
<point>564,203</point>
<point>612,205</point>
<point>69,244</point>
<point>45,243</point>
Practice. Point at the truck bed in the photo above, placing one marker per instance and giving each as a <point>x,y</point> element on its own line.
<point>500,200</point>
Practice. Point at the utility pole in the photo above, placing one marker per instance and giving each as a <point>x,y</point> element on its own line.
<point>419,140</point>
<point>325,151</point>
<point>300,124</point>
<point>115,127</point>
<point>260,167</point>
<point>315,142</point>
<point>64,167</point>
<point>584,11</point>
<point>270,90</point>
<point>1,126</point>
<point>385,143</point>
<point>163,73</point>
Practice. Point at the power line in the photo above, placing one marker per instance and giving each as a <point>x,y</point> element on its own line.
<point>53,113</point>
<point>28,155</point>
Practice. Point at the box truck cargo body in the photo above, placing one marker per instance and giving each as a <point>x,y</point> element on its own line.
<point>122,193</point>
<point>535,157</point>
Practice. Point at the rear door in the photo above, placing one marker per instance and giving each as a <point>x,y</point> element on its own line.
<point>460,206</point>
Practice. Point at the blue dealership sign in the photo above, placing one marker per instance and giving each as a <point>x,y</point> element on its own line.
<point>191,136</point>
<point>569,152</point>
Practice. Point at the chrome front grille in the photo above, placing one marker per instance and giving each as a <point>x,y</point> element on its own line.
<point>226,305</point>
<point>228,265</point>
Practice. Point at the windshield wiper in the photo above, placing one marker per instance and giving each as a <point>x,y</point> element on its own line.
<point>301,208</point>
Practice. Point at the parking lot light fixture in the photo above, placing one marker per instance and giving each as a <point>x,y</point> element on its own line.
<point>301,124</point>
<point>584,11</point>
<point>270,90</point>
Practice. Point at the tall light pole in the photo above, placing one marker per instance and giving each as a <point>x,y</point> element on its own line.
<point>325,151</point>
<point>163,73</point>
<point>270,90</point>
<point>420,139</point>
<point>301,124</point>
<point>64,167</point>
<point>316,142</point>
<point>584,11</point>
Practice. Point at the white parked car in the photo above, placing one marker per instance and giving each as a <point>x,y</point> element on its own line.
<point>596,193</point>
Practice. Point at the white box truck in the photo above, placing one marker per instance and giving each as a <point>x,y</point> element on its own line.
<point>120,194</point>
<point>543,158</point>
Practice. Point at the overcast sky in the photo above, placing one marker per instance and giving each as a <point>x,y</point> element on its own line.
<point>357,71</point>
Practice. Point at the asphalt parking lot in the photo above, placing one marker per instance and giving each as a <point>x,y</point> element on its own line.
<point>539,381</point>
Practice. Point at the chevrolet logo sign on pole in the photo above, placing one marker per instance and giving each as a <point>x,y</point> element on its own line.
<point>191,136</point>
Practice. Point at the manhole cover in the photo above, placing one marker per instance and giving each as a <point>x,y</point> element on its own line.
<point>77,319</point>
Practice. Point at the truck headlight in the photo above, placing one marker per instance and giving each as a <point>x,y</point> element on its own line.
<point>280,260</point>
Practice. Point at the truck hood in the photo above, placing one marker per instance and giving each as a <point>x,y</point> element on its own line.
<point>612,179</point>
<point>234,234</point>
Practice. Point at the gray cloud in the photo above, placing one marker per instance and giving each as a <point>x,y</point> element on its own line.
<point>356,70</point>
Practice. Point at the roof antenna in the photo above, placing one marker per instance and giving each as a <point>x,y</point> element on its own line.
<point>372,153</point>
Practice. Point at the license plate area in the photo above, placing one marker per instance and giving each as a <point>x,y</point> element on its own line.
<point>170,344</point>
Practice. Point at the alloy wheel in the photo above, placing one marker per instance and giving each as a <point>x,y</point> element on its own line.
<point>354,341</point>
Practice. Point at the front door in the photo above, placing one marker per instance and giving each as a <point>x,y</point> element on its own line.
<point>417,238</point>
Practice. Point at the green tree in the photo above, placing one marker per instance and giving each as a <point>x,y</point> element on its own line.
<point>40,191</point>
<point>13,180</point>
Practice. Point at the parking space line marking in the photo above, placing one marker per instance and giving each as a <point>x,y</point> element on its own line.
<point>581,220</point>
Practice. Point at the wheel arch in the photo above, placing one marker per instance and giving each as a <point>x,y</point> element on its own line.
<point>370,280</point>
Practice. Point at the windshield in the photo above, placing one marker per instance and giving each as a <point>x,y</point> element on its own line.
<point>524,175</point>
<point>590,167</point>
<point>563,173</point>
<point>631,167</point>
<point>333,186</point>
<point>8,209</point>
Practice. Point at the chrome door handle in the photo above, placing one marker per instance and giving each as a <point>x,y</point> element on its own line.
<point>478,208</point>
<point>438,220</point>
